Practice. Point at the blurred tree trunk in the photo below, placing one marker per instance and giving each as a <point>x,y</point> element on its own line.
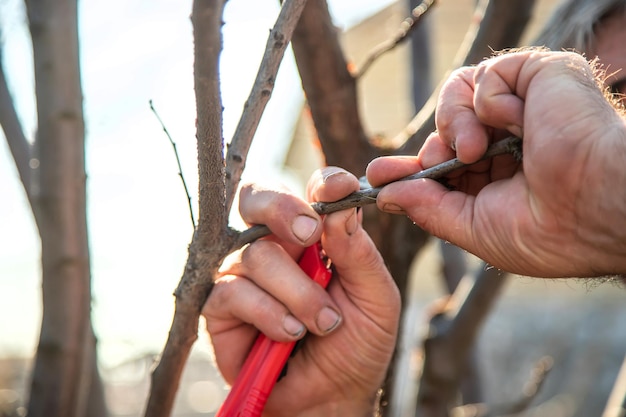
<point>420,51</point>
<point>65,381</point>
<point>332,97</point>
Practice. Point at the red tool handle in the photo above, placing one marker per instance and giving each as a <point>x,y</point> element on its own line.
<point>267,358</point>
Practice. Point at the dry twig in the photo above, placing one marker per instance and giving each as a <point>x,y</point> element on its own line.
<point>510,145</point>
<point>531,389</point>
<point>180,168</point>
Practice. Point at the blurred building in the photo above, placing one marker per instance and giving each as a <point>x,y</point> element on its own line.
<point>385,90</point>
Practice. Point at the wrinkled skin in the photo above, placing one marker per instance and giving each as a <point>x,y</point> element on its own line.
<point>558,213</point>
<point>343,361</point>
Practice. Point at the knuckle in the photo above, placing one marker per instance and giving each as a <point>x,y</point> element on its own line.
<point>220,295</point>
<point>259,254</point>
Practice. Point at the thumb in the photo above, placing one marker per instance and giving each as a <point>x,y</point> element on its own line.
<point>446,214</point>
<point>360,268</point>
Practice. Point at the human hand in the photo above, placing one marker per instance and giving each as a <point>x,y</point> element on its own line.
<point>559,213</point>
<point>352,326</point>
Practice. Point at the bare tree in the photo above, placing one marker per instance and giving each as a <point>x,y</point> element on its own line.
<point>331,92</point>
<point>65,381</point>
<point>219,179</point>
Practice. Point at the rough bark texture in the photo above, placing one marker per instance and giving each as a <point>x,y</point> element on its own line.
<point>219,179</point>
<point>208,244</point>
<point>63,376</point>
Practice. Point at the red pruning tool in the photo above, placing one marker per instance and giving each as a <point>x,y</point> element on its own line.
<point>267,358</point>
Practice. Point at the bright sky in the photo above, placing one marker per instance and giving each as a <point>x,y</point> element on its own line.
<point>133,52</point>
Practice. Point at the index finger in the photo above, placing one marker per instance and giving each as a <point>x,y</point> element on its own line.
<point>290,218</point>
<point>331,184</point>
<point>457,123</point>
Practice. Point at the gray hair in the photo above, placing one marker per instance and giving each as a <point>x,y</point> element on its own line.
<point>573,23</point>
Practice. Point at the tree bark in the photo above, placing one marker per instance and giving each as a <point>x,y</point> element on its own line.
<point>205,246</point>
<point>330,90</point>
<point>66,354</point>
<point>219,178</point>
<point>14,134</point>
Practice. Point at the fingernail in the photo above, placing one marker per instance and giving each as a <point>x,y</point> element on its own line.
<point>293,326</point>
<point>327,320</point>
<point>352,223</point>
<point>303,227</point>
<point>393,208</point>
<point>516,130</point>
<point>331,172</point>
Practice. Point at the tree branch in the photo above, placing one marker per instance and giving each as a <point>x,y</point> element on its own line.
<point>207,24</point>
<point>211,238</point>
<point>14,133</point>
<point>451,336</point>
<point>63,370</point>
<point>330,90</point>
<point>279,38</point>
<point>406,27</point>
<point>180,168</point>
<point>530,391</point>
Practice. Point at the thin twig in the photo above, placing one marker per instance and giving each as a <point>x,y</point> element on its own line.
<point>180,169</point>
<point>532,388</point>
<point>511,145</point>
<point>406,27</point>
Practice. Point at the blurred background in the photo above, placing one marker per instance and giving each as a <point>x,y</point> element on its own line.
<point>134,52</point>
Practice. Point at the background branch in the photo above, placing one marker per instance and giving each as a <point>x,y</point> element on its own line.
<point>452,333</point>
<point>66,354</point>
<point>497,24</point>
<point>530,391</point>
<point>279,38</point>
<point>406,27</point>
<point>330,90</point>
<point>14,133</point>
<point>616,404</point>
